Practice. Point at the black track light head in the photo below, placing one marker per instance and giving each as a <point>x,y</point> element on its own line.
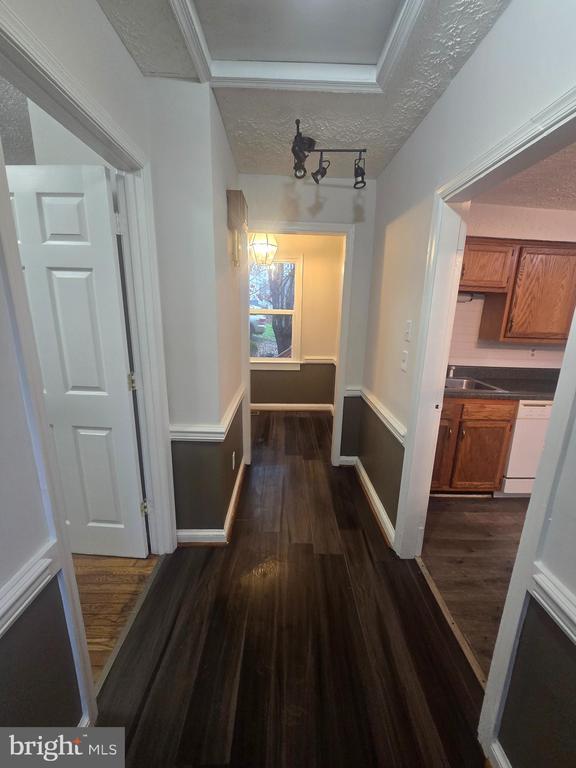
<point>301,148</point>
<point>322,169</point>
<point>359,172</point>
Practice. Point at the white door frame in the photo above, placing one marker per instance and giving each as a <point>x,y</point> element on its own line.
<point>546,132</point>
<point>33,68</point>
<point>318,228</point>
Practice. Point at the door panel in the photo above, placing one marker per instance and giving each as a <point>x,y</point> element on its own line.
<point>480,455</point>
<point>544,294</point>
<point>68,251</point>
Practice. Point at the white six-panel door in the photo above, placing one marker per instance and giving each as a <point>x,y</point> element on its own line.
<point>66,232</point>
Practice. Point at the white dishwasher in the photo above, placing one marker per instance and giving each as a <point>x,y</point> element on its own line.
<point>527,444</point>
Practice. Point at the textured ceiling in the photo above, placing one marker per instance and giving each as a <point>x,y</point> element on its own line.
<point>550,183</point>
<point>260,123</point>
<point>15,130</point>
<point>337,31</point>
<point>149,31</point>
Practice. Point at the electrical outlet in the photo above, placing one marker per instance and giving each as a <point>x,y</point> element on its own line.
<point>233,460</point>
<point>404,361</point>
<point>408,331</point>
<point>532,353</point>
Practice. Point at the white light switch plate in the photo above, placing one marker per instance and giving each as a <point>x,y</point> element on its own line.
<point>408,331</point>
<point>404,362</point>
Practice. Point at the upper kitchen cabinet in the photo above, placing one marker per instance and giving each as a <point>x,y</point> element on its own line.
<point>488,265</point>
<point>539,306</point>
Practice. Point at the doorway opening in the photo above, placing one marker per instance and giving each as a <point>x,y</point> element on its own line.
<point>512,313</point>
<point>295,311</point>
<point>65,209</point>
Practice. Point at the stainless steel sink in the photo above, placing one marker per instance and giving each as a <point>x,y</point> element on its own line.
<point>470,384</point>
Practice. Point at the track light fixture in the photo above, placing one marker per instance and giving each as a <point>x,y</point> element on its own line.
<point>303,146</point>
<point>320,172</point>
<point>360,171</point>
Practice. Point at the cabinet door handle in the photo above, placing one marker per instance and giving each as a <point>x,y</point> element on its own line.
<point>463,433</point>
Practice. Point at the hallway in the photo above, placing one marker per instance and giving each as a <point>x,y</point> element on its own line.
<point>305,642</point>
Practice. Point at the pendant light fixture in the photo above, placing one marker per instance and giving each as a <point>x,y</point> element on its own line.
<point>263,248</point>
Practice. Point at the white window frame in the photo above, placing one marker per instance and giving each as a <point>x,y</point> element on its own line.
<point>285,363</point>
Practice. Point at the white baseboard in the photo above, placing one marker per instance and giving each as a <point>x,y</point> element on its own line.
<point>375,503</point>
<point>215,536</point>
<point>292,407</point>
<point>348,461</point>
<point>84,721</point>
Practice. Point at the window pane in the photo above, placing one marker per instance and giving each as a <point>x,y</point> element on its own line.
<point>271,336</point>
<point>272,287</point>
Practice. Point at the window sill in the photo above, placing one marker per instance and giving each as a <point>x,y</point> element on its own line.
<point>275,365</point>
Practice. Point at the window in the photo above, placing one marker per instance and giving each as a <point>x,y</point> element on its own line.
<point>275,305</point>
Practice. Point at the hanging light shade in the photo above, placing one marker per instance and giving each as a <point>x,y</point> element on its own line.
<point>263,248</point>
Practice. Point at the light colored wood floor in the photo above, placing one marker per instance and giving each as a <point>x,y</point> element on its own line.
<point>469,549</point>
<point>109,588</point>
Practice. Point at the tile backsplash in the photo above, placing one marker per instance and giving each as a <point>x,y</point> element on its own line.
<point>466,349</point>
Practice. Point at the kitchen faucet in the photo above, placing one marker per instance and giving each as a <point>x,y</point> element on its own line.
<point>451,369</point>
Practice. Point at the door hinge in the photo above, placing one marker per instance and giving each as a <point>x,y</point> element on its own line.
<point>144,509</point>
<point>131,382</point>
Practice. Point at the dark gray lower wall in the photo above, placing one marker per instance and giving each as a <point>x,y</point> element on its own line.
<point>204,479</point>
<point>539,721</point>
<point>365,435</point>
<point>313,383</point>
<point>38,678</point>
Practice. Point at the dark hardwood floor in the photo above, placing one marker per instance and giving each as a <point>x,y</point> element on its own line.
<point>306,643</point>
<point>469,549</point>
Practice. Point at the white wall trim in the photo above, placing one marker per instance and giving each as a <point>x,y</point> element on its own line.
<point>292,407</point>
<point>403,27</point>
<point>217,536</point>
<point>143,294</point>
<point>17,594</point>
<point>33,68</point>
<point>191,28</point>
<point>300,76</point>
<point>84,722</point>
<point>558,601</point>
<point>539,127</point>
<point>348,461</point>
<point>375,503</point>
<point>498,757</point>
<point>209,433</point>
<point>386,416</point>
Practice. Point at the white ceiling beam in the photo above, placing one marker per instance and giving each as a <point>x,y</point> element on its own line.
<point>189,23</point>
<point>398,40</point>
<point>295,76</point>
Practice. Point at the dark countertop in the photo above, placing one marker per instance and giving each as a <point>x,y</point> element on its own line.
<point>517,383</point>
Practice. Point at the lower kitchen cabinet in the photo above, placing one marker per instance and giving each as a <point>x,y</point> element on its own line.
<point>473,444</point>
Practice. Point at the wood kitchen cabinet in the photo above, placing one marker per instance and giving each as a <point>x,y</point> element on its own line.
<point>488,265</point>
<point>538,305</point>
<point>473,444</point>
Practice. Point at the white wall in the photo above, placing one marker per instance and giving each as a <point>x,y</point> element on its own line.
<point>80,37</point>
<point>322,272</point>
<point>486,220</point>
<point>56,145</point>
<point>285,199</point>
<point>231,313</point>
<point>502,86</point>
<point>182,188</point>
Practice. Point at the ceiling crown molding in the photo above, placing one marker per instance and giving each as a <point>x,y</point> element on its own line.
<point>191,28</point>
<point>301,76</point>
<point>397,39</point>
